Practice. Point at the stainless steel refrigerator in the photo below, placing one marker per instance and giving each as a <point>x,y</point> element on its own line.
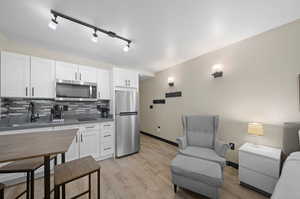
<point>127,123</point>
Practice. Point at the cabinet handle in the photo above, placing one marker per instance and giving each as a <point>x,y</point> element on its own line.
<point>107,125</point>
<point>32,91</point>
<point>99,94</point>
<point>76,139</point>
<point>107,148</point>
<point>90,127</point>
<point>107,136</point>
<point>128,82</point>
<point>26,90</point>
<point>81,138</point>
<point>80,76</point>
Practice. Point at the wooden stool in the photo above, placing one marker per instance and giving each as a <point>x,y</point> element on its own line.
<point>28,166</point>
<point>74,170</point>
<point>1,191</point>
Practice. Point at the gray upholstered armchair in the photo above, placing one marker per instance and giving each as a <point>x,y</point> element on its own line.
<point>199,139</point>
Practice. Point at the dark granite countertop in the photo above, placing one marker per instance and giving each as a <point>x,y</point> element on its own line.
<point>44,123</point>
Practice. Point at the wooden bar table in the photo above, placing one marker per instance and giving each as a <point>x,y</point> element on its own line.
<point>32,145</point>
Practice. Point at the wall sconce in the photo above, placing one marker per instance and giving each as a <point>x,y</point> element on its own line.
<point>217,70</point>
<point>171,81</point>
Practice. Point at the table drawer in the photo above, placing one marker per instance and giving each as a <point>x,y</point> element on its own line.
<point>260,164</point>
<point>257,180</point>
<point>106,149</point>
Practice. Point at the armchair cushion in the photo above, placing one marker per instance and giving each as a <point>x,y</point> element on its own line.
<point>200,130</point>
<point>203,153</point>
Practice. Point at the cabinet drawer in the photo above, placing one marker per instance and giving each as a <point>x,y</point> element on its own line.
<point>260,164</point>
<point>108,138</point>
<point>260,181</point>
<point>108,126</point>
<point>106,149</point>
<point>90,127</point>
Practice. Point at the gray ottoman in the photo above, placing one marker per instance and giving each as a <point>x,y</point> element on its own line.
<point>198,175</point>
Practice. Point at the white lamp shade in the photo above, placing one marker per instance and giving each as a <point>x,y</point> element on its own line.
<point>255,129</point>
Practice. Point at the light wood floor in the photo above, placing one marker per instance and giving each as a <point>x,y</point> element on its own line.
<point>143,175</point>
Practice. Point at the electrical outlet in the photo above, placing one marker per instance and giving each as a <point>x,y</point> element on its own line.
<point>158,129</point>
<point>232,145</point>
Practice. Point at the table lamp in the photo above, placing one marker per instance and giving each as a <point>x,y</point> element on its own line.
<point>255,129</point>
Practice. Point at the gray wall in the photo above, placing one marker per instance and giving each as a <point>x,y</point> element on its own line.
<point>260,84</point>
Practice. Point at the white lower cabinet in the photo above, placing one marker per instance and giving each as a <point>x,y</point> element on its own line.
<point>91,139</point>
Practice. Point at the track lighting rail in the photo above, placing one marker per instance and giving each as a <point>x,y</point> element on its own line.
<point>95,28</point>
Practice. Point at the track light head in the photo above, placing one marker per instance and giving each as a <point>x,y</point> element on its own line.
<point>127,47</point>
<point>53,23</point>
<point>95,37</point>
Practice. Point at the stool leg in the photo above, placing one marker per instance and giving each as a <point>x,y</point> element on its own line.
<point>56,192</point>
<point>2,194</point>
<point>63,160</point>
<point>55,160</point>
<point>175,188</point>
<point>89,186</point>
<point>98,184</point>
<point>32,185</point>
<point>27,185</point>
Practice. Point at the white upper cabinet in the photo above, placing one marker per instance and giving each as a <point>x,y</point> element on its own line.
<point>15,72</point>
<point>103,84</point>
<point>125,78</point>
<point>87,74</point>
<point>42,78</point>
<point>66,71</point>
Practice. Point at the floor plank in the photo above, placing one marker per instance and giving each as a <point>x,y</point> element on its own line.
<point>143,175</point>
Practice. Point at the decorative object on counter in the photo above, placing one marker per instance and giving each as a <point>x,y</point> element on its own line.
<point>54,22</point>
<point>174,94</point>
<point>217,70</point>
<point>104,111</point>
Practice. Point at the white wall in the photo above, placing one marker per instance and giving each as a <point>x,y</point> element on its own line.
<point>260,84</point>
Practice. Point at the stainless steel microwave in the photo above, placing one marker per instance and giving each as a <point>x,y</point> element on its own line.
<point>75,91</point>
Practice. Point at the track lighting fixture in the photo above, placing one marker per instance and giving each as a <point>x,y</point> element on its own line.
<point>95,37</point>
<point>126,48</point>
<point>53,25</point>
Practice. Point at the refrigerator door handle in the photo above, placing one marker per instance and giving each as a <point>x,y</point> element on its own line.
<point>128,113</point>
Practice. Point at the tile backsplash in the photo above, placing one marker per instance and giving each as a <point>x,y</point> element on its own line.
<point>15,107</point>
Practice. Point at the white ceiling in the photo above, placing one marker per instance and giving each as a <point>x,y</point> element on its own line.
<point>164,32</point>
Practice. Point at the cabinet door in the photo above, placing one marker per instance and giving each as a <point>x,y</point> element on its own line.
<point>73,151</point>
<point>66,71</point>
<point>120,77</point>
<point>133,79</point>
<point>103,83</point>
<point>89,141</point>
<point>15,72</point>
<point>87,74</point>
<point>42,77</point>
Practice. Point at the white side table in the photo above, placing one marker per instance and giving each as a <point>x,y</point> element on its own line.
<point>259,166</point>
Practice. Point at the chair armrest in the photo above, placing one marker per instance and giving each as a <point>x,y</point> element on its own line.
<point>181,142</point>
<point>221,148</point>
